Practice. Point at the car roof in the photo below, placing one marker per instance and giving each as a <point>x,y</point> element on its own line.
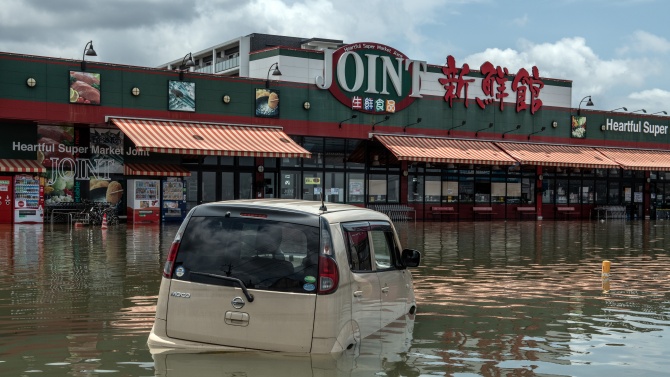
<point>333,211</point>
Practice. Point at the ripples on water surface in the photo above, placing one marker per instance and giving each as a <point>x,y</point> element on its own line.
<point>495,298</point>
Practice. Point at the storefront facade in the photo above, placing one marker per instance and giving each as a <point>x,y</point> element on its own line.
<point>360,124</point>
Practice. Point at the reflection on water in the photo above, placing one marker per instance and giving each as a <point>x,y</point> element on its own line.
<point>495,298</point>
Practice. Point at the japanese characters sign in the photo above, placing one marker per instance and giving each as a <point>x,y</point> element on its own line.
<point>493,85</point>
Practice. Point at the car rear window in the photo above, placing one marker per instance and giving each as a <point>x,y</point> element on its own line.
<point>263,254</point>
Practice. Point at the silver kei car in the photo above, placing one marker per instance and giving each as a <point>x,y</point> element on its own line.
<point>281,275</point>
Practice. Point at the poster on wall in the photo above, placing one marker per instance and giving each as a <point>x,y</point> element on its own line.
<point>106,150</point>
<point>107,191</point>
<point>85,88</point>
<point>181,96</point>
<point>57,152</point>
<point>267,103</point>
<point>578,129</point>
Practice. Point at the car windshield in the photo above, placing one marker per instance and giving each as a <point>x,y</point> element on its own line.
<point>263,254</point>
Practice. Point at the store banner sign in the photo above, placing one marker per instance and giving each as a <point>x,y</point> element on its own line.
<point>371,77</point>
<point>378,79</point>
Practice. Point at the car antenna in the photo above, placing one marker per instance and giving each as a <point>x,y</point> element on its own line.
<point>323,203</point>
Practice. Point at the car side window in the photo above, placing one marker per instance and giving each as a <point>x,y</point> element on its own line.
<point>358,247</point>
<point>370,246</point>
<point>383,250</point>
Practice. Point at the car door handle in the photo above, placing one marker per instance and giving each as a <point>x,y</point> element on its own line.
<point>358,293</point>
<point>385,290</point>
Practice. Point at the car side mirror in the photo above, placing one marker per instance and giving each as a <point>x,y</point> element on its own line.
<point>410,258</point>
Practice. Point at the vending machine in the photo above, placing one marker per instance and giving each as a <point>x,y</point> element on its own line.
<point>28,199</point>
<point>143,201</point>
<point>173,199</point>
<point>6,199</point>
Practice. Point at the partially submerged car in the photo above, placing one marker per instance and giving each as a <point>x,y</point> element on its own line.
<point>281,275</point>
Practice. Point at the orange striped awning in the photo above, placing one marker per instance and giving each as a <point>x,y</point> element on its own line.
<point>557,155</point>
<point>209,139</point>
<point>439,150</point>
<point>21,166</point>
<point>638,159</point>
<point>156,170</point>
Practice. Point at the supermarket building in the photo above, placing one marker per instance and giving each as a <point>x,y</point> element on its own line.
<point>265,116</point>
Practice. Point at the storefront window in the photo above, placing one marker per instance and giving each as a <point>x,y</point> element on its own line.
<point>315,146</point>
<point>498,186</point>
<point>393,194</point>
<point>227,185</point>
<point>587,192</point>
<point>601,192</point>
<point>528,190</point>
<point>662,192</point>
<point>290,162</point>
<point>269,185</point>
<point>433,191</point>
<point>450,190</point>
<point>355,161</point>
<point>312,186</point>
<point>334,187</point>
<point>355,187</point>
<point>548,190</point>
<point>377,188</point>
<point>415,189</point>
<point>513,190</point>
<point>561,191</point>
<point>246,185</point>
<point>574,191</point>
<point>210,160</point>
<point>191,190</point>
<point>208,186</point>
<point>289,184</point>
<point>482,186</point>
<point>498,192</point>
<point>334,153</point>
<point>247,161</point>
<point>613,194</point>
<point>466,189</point>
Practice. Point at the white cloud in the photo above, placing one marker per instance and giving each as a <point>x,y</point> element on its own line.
<point>652,99</point>
<point>642,41</point>
<point>521,21</point>
<point>571,59</point>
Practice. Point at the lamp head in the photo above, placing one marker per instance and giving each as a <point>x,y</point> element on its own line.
<point>89,51</point>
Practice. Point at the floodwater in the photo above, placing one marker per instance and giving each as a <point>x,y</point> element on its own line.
<point>494,299</point>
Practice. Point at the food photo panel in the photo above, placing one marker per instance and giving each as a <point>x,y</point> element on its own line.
<point>85,88</point>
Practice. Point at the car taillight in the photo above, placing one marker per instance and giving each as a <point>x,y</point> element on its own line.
<point>329,278</point>
<point>169,263</point>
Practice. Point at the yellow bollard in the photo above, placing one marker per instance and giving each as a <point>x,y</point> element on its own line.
<point>606,276</point>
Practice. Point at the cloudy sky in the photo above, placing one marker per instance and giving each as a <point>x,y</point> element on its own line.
<point>617,51</point>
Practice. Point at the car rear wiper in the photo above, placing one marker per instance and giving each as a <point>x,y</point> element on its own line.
<point>239,282</point>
